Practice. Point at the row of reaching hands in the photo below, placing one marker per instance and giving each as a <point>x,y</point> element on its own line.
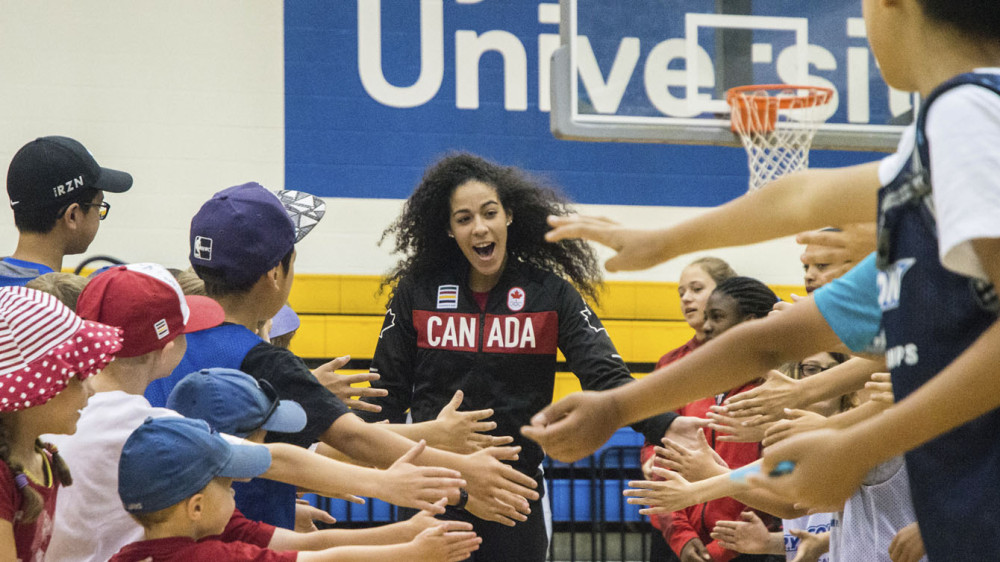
<point>496,491</point>
<point>504,497</point>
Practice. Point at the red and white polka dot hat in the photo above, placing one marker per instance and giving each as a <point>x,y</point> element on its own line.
<point>42,344</point>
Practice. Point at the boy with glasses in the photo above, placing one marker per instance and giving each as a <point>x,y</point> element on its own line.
<point>56,191</point>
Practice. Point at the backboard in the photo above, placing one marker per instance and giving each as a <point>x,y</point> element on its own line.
<point>658,70</point>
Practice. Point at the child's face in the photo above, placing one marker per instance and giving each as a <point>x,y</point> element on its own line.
<point>87,225</point>
<point>812,366</point>
<point>218,506</point>
<point>60,414</point>
<point>721,313</point>
<point>694,288</point>
<point>883,25</point>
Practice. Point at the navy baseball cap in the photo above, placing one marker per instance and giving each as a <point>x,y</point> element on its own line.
<point>233,402</point>
<point>167,460</point>
<point>242,232</point>
<point>47,170</point>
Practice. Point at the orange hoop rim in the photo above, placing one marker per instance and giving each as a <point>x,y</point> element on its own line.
<point>818,95</point>
<point>765,101</point>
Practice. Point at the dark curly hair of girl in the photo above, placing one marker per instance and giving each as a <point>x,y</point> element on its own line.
<point>754,298</point>
<point>421,230</point>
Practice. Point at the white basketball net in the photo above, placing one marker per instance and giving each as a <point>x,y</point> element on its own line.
<point>777,125</point>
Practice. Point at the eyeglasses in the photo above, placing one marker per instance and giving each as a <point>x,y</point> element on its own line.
<point>104,208</point>
<point>810,369</point>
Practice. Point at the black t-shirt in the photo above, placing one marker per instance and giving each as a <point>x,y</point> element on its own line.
<point>293,380</point>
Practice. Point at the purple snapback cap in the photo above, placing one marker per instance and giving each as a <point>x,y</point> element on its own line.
<point>242,232</point>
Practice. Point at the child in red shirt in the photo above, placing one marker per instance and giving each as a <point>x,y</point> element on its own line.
<point>175,478</point>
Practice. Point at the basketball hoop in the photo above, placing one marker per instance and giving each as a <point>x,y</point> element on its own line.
<point>776,123</point>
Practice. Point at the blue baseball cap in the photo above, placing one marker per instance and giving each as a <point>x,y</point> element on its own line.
<point>167,460</point>
<point>241,233</point>
<point>233,402</point>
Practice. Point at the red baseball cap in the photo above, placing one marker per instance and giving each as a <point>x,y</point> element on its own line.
<point>146,302</point>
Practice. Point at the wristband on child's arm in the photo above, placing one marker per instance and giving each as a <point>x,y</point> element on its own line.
<point>740,474</point>
<point>463,498</point>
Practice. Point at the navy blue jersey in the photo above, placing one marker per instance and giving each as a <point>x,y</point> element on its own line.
<point>930,316</point>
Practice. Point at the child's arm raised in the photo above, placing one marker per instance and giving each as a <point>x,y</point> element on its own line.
<point>394,533</point>
<point>402,484</point>
<point>779,392</point>
<point>802,201</point>
<point>452,430</point>
<point>431,545</point>
<point>674,493</point>
<point>578,424</point>
<point>497,491</point>
<point>966,389</point>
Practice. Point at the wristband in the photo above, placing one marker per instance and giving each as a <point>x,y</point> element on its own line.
<point>463,498</point>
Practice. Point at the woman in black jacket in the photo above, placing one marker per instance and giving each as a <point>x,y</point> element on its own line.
<point>481,303</point>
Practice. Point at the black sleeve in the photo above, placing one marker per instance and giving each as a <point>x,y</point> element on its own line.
<point>394,358</point>
<point>293,380</point>
<point>592,356</point>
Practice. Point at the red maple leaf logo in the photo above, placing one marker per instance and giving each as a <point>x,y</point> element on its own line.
<point>516,294</point>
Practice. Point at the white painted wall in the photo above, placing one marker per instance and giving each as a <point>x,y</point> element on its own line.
<point>188,97</point>
<point>185,95</point>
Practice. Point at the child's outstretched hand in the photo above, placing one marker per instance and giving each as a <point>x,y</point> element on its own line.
<point>306,515</point>
<point>767,402</point>
<point>731,429</point>
<point>811,545</point>
<point>671,494</point>
<point>748,534</point>
<point>440,543</point>
<point>343,385</point>
<point>497,491</point>
<point>881,388</point>
<point>907,545</point>
<point>799,421</point>
<point>693,463</point>
<point>823,476</point>
<point>575,426</point>
<point>408,485</point>
<point>424,520</point>
<point>637,249</point>
<point>465,432</point>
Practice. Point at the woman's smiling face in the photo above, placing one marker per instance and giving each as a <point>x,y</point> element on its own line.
<point>478,222</point>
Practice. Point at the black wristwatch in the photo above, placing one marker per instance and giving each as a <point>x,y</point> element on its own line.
<point>463,498</point>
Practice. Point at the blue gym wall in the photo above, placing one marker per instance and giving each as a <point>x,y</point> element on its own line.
<point>340,142</point>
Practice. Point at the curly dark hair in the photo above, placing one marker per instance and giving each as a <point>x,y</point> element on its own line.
<point>421,230</point>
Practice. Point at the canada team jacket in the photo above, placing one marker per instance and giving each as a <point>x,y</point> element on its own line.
<point>436,339</point>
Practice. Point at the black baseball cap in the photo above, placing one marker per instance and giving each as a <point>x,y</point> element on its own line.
<point>47,170</point>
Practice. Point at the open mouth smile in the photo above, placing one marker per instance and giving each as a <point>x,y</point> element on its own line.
<point>485,250</point>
